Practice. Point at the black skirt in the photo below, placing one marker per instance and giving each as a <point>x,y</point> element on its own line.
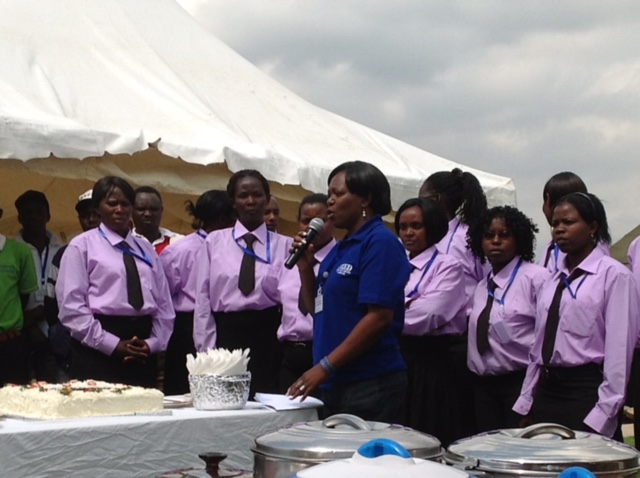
<point>434,402</point>
<point>256,330</point>
<point>566,395</point>
<point>176,375</point>
<point>91,364</point>
<point>495,396</point>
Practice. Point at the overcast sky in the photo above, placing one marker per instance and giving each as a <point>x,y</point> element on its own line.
<point>520,89</point>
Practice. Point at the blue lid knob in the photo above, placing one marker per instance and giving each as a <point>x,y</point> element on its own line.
<point>576,472</point>
<point>383,446</point>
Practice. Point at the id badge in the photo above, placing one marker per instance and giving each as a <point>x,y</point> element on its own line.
<point>319,301</point>
<point>39,295</point>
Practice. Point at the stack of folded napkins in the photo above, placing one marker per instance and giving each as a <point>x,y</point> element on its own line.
<point>218,362</point>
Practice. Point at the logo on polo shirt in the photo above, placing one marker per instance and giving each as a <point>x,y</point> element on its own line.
<point>344,269</point>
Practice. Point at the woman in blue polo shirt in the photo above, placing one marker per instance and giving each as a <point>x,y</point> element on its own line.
<point>358,302</point>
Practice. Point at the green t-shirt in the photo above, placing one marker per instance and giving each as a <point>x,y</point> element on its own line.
<point>17,276</point>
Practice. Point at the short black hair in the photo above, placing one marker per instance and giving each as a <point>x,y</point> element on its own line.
<point>521,227</point>
<point>315,198</point>
<point>590,209</point>
<point>212,207</point>
<point>247,173</point>
<point>32,197</point>
<point>561,184</point>
<point>367,181</point>
<point>465,197</point>
<point>434,218</point>
<point>84,207</point>
<point>105,186</point>
<point>148,190</point>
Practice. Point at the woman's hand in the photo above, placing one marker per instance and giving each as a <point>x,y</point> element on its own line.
<point>132,349</point>
<point>308,382</point>
<point>306,260</point>
<point>525,422</point>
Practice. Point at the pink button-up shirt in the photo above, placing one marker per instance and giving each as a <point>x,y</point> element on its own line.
<point>599,325</point>
<point>436,305</point>
<point>92,280</point>
<point>454,243</point>
<point>296,326</point>
<point>217,279</point>
<point>512,319</point>
<point>179,261</point>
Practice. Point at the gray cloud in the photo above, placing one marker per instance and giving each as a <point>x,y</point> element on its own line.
<point>518,89</point>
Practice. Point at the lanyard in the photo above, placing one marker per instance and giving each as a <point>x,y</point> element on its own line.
<point>201,233</point>
<point>452,234</point>
<point>556,253</point>
<point>142,256</point>
<point>567,284</point>
<point>426,269</point>
<point>491,293</point>
<point>252,253</point>
<point>43,267</point>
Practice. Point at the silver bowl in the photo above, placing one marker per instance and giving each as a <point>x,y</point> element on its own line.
<point>220,392</point>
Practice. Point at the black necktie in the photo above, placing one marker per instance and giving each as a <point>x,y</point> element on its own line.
<point>548,256</point>
<point>553,317</point>
<point>482,329</point>
<point>134,289</point>
<point>247,278</point>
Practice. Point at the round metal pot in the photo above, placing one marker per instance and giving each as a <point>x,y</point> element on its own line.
<point>284,452</point>
<point>542,450</point>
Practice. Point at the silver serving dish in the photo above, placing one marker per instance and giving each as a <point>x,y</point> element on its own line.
<point>220,392</point>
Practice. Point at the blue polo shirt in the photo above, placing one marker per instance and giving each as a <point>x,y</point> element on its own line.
<point>370,267</point>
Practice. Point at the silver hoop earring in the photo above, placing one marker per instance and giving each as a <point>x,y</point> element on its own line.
<point>364,213</point>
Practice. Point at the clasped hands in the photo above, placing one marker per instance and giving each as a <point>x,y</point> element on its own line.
<point>132,349</point>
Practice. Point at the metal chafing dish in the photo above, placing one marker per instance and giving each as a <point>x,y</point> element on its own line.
<point>542,450</point>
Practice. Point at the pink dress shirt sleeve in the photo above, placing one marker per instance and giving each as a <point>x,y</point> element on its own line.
<point>438,307</point>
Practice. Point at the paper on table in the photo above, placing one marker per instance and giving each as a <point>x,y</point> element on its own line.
<point>283,402</point>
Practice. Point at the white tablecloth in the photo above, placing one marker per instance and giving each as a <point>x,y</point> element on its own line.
<point>135,446</point>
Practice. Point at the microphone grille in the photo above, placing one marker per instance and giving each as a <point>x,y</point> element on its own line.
<point>316,224</point>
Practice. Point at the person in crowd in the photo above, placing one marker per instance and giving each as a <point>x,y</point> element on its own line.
<point>272,214</point>
<point>59,338</point>
<point>213,210</point>
<point>296,330</point>
<point>358,302</point>
<point>113,295</point>
<point>633,389</point>
<point>502,320</point>
<point>18,279</point>
<point>558,186</point>
<point>586,327</point>
<point>147,216</point>
<point>435,312</point>
<point>33,215</point>
<point>238,304</point>
<point>463,199</point>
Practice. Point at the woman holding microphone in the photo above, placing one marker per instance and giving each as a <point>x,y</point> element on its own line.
<point>357,301</point>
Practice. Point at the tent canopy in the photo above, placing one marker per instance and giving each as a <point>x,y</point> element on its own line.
<point>140,89</point>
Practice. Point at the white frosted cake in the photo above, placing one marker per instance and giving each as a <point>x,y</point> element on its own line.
<point>76,399</point>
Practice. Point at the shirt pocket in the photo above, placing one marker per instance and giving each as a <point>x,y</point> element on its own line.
<point>579,319</point>
<point>510,330</point>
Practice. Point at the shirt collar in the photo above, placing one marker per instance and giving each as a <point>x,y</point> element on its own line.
<point>502,278</point>
<point>260,232</point>
<point>364,230</point>
<point>114,238</point>
<point>589,264</point>
<point>420,261</point>
<point>322,253</point>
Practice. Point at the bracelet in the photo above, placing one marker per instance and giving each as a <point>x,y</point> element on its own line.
<point>326,366</point>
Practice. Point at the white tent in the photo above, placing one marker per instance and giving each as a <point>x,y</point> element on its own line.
<point>103,80</point>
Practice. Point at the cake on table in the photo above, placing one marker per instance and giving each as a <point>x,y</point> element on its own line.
<point>77,399</point>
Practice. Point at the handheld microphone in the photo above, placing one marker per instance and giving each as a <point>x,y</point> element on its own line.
<point>316,225</point>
